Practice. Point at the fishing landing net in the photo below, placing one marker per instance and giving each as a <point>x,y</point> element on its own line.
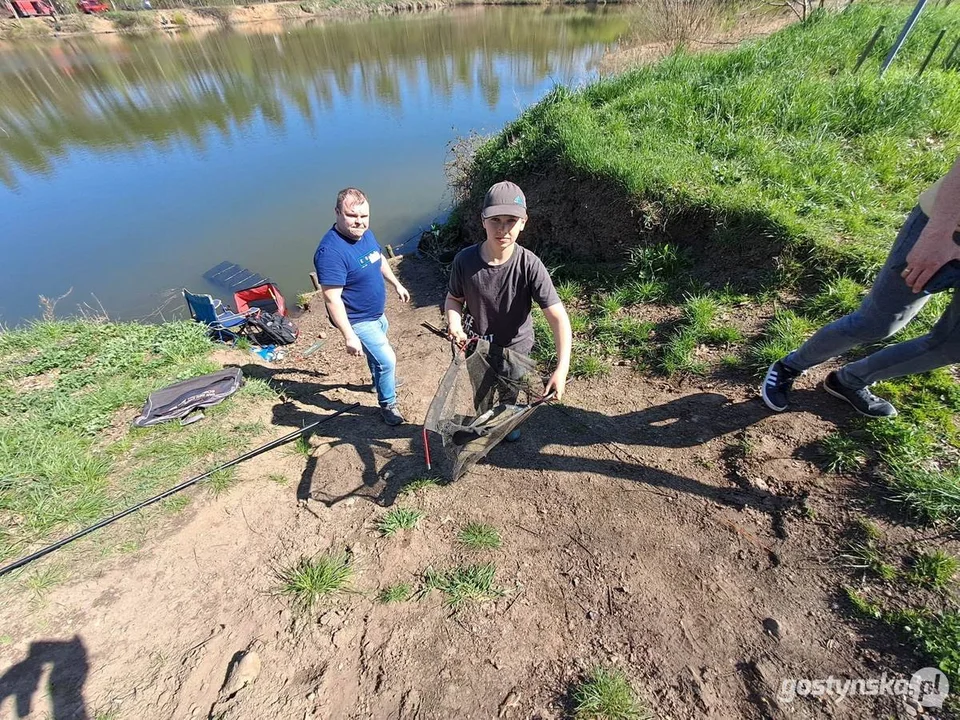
<point>485,394</point>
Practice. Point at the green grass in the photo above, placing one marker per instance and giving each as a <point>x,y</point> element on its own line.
<point>278,478</point>
<point>301,446</point>
<point>607,695</point>
<point>65,462</point>
<point>464,585</point>
<point>840,296</point>
<point>774,145</point>
<point>936,570</point>
<point>399,519</point>
<point>936,634</point>
<point>313,579</point>
<point>869,556</point>
<point>783,334</point>
<point>479,536</point>
<point>841,453</point>
<point>400,592</point>
<point>418,484</point>
<point>220,481</point>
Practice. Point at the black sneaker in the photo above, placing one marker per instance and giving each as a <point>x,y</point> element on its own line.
<point>863,401</point>
<point>777,384</point>
<point>390,414</point>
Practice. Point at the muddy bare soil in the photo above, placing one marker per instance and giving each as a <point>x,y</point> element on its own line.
<point>676,530</point>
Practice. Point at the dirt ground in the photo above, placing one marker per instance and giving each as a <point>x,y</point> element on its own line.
<point>676,530</point>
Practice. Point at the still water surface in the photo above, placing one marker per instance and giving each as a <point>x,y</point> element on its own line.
<point>130,165</point>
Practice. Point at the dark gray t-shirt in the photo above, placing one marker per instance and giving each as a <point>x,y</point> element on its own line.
<point>499,297</point>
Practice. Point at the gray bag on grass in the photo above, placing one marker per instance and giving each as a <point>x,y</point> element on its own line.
<point>176,401</point>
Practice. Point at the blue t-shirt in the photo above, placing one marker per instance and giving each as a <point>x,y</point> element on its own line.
<point>353,265</point>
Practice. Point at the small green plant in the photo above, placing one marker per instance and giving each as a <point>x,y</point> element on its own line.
<point>867,556</point>
<point>658,263</point>
<point>399,519</point>
<point>868,529</point>
<point>479,536</point>
<point>314,578</point>
<point>278,478</point>
<point>586,365</point>
<point>841,453</point>
<point>243,344</point>
<point>464,584</point>
<point>678,355</point>
<point>41,581</point>
<point>417,484</point>
<point>569,291</point>
<point>606,305</point>
<point>394,593</point>
<point>785,333</point>
<point>935,570</point>
<point>221,480</point>
<point>301,446</point>
<point>606,695</point>
<point>179,20</point>
<point>642,291</point>
<point>839,297</point>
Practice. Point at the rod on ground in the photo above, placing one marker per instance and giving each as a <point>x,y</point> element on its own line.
<point>167,493</point>
<point>953,50</point>
<point>926,60</point>
<point>867,49</point>
<point>908,26</point>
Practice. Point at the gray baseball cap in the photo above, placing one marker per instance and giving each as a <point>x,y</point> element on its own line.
<point>504,198</point>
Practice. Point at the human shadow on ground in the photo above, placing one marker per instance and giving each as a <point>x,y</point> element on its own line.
<point>688,421</point>
<point>360,428</point>
<point>68,673</point>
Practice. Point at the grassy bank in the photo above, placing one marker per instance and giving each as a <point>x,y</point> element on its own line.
<point>705,214</point>
<point>68,454</point>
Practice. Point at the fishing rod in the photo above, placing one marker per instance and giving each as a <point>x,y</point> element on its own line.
<point>167,493</point>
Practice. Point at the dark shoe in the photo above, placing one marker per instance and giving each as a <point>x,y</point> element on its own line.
<point>777,385</point>
<point>513,435</point>
<point>390,414</point>
<point>863,401</point>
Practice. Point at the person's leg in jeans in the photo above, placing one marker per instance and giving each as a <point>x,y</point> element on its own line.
<point>886,310</point>
<point>888,307</point>
<point>938,348</point>
<point>382,362</point>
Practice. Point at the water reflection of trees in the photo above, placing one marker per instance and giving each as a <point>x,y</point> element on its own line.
<point>164,91</point>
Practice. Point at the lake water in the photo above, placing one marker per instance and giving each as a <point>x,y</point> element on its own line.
<point>130,165</point>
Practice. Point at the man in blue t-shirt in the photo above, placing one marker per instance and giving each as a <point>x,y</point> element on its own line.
<point>351,272</point>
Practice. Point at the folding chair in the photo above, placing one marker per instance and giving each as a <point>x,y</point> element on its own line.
<point>222,322</point>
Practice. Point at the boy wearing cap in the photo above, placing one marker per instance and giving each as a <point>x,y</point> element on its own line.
<point>499,281</point>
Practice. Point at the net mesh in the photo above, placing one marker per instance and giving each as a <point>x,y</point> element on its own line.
<point>486,393</point>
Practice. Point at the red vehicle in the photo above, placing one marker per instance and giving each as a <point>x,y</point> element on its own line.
<point>28,8</point>
<point>92,6</point>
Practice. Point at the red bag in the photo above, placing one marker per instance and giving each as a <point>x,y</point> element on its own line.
<point>266,297</point>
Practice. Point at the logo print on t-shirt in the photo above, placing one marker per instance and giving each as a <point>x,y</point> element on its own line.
<point>369,259</point>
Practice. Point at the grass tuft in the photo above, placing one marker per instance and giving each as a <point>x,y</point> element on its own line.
<point>464,584</point>
<point>394,593</point>
<point>478,536</point>
<point>935,570</point>
<point>417,484</point>
<point>399,519</point>
<point>841,453</point>
<point>314,578</point>
<point>606,695</point>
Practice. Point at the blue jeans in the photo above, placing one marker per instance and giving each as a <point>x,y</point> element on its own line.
<point>886,310</point>
<point>380,357</point>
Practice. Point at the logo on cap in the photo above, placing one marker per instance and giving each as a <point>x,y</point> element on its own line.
<point>519,201</point>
